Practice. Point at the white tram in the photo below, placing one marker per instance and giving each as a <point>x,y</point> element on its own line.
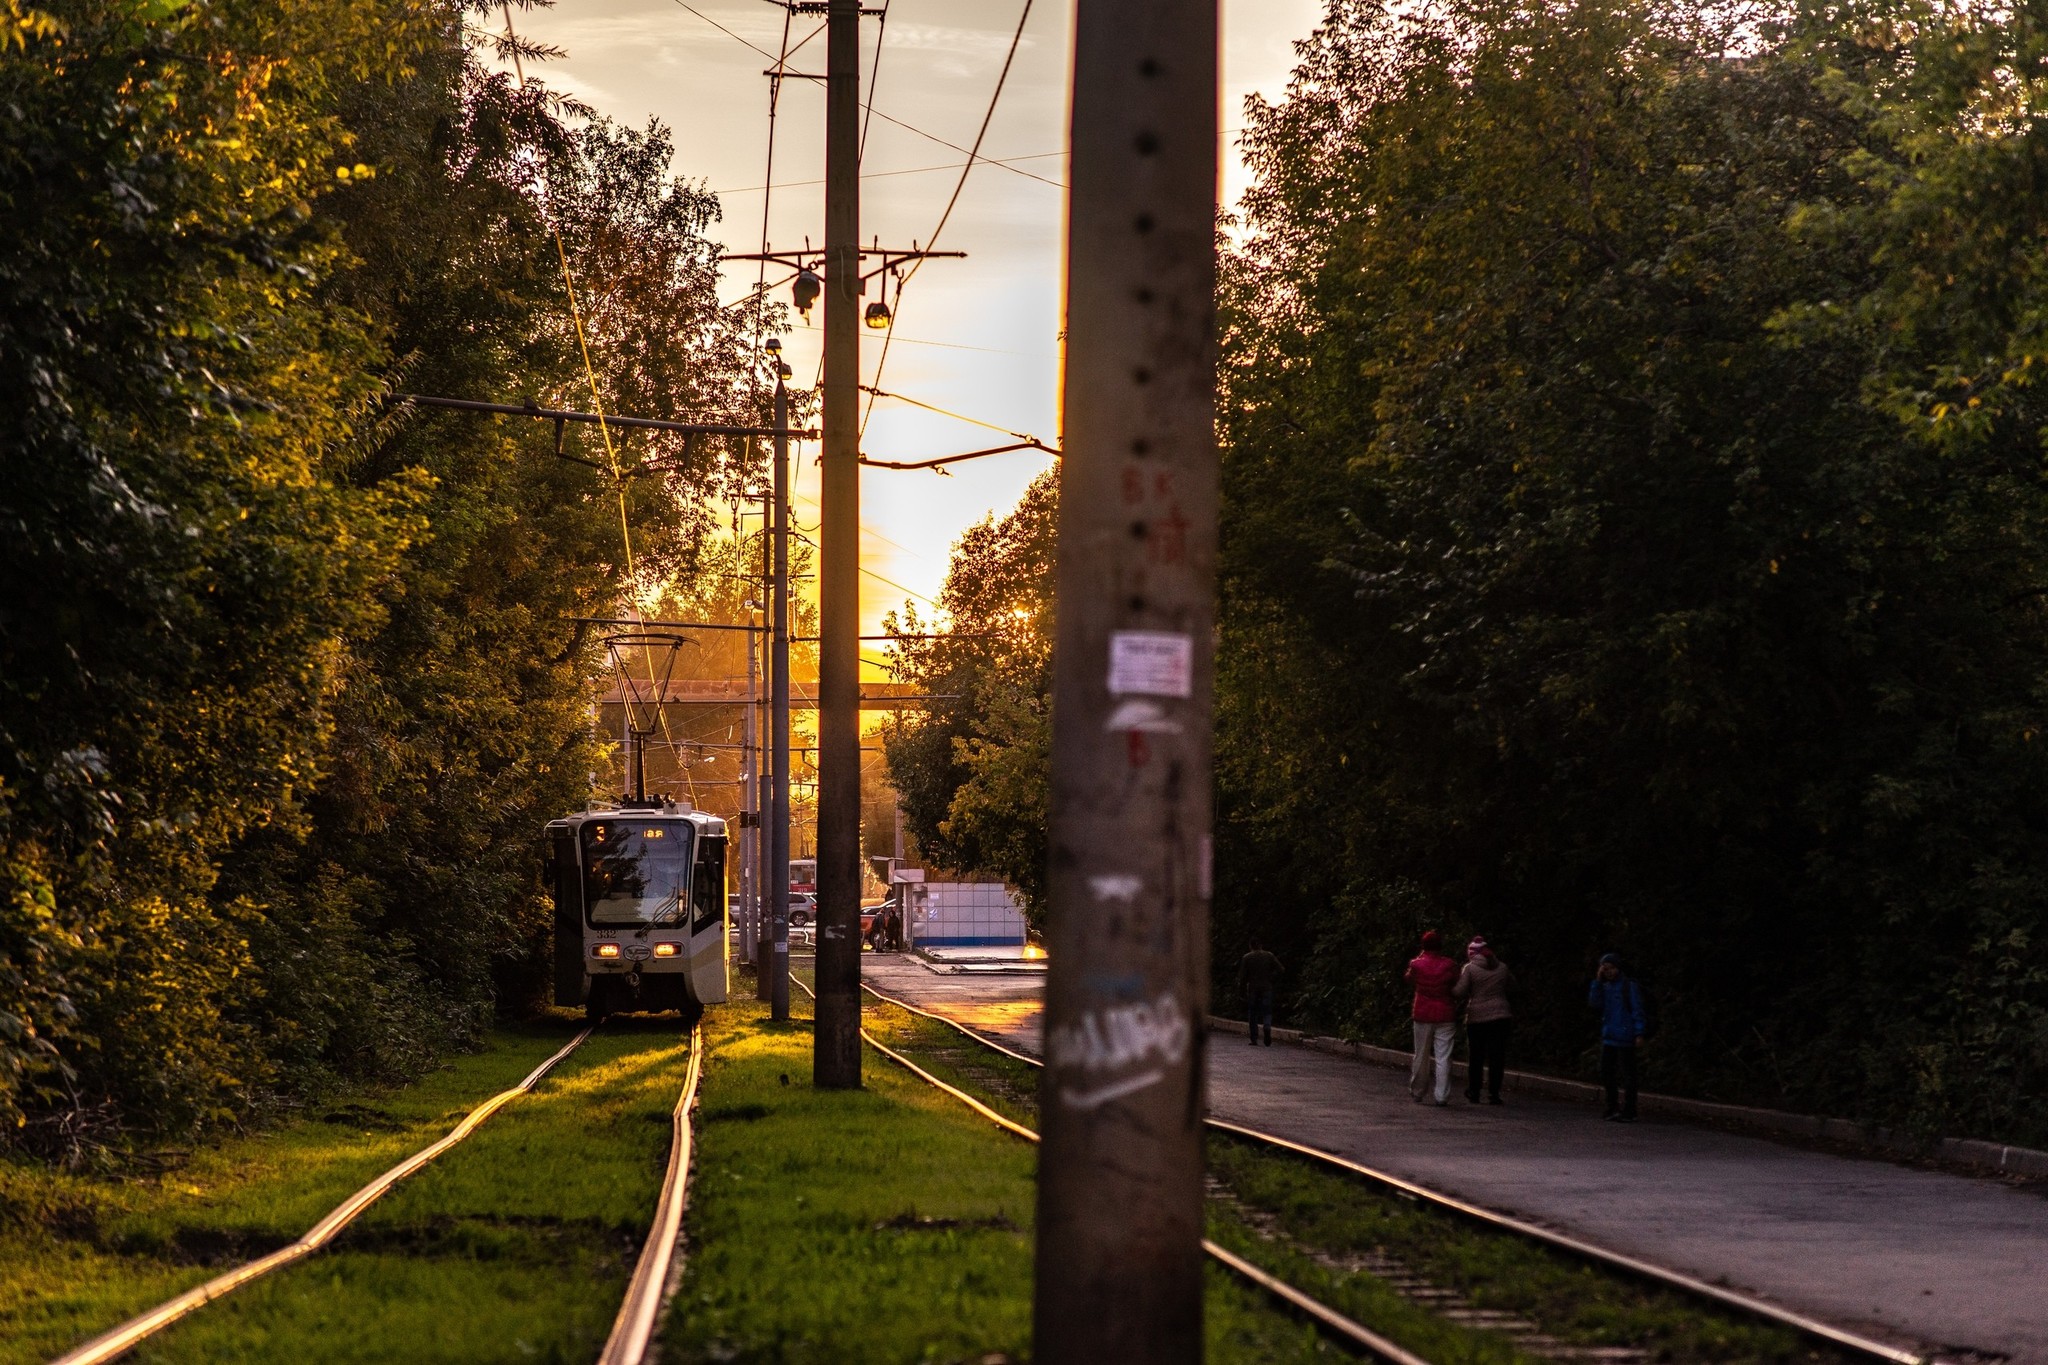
<point>640,909</point>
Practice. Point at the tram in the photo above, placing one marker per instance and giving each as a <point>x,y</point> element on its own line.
<point>640,909</point>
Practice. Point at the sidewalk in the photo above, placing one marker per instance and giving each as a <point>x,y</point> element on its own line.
<point>1924,1258</point>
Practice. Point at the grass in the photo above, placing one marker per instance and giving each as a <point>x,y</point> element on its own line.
<point>888,1224</point>
<point>514,1246</point>
<point>1335,1215</point>
<point>81,1253</point>
<point>1323,1217</point>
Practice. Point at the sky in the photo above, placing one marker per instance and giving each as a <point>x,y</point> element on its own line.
<point>978,336</point>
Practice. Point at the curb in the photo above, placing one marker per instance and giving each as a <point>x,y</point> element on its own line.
<point>1987,1156</point>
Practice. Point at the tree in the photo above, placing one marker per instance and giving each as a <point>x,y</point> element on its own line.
<point>293,679</point>
<point>972,769</point>
<point>1575,593</point>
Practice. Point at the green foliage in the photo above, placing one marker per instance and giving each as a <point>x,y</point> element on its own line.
<point>289,679</point>
<point>972,769</point>
<point>1582,581</point>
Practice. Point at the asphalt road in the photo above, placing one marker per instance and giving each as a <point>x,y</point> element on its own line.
<point>1923,1259</point>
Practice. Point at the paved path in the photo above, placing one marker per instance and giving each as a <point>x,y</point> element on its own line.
<point>1920,1258</point>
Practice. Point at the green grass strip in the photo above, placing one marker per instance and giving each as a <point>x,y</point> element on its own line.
<point>1328,1216</point>
<point>1339,1216</point>
<point>888,1224</point>
<point>514,1246</point>
<point>82,1253</point>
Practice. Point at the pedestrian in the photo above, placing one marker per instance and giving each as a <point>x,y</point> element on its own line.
<point>1257,972</point>
<point>1433,975</point>
<point>1620,1002</point>
<point>892,930</point>
<point>1483,987</point>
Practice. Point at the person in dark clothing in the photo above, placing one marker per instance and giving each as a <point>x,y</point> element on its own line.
<point>1620,1002</point>
<point>892,930</point>
<point>1257,973</point>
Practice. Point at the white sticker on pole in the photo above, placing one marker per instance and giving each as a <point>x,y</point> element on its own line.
<point>1151,663</point>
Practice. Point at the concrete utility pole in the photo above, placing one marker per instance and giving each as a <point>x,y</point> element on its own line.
<point>1119,1260</point>
<point>750,774</point>
<point>777,969</point>
<point>764,801</point>
<point>835,1063</point>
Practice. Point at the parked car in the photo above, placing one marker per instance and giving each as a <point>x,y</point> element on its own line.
<point>803,908</point>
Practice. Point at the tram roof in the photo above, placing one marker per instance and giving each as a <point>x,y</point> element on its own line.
<point>703,820</point>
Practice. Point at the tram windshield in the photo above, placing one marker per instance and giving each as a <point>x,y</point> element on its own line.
<point>636,871</point>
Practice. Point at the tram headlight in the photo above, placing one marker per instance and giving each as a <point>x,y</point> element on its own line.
<point>605,950</point>
<point>664,950</point>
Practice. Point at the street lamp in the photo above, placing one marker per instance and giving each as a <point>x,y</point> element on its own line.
<point>805,290</point>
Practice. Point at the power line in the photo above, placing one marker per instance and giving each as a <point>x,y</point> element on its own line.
<point>975,154</point>
<point>1004,161</point>
<point>874,76</point>
<point>946,216</point>
<point>874,392</point>
<point>747,41</point>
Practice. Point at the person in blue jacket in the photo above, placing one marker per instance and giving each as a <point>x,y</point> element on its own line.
<point>1620,1002</point>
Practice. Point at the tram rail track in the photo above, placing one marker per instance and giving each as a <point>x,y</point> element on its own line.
<point>1331,1322</point>
<point>118,1341</point>
<point>1634,1267</point>
<point>633,1330</point>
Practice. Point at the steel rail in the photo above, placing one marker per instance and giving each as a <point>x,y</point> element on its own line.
<point>109,1345</point>
<point>1353,1333</point>
<point>1612,1260</point>
<point>633,1329</point>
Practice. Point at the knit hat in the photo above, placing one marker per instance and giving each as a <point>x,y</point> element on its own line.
<point>1431,941</point>
<point>1610,958</point>
<point>1478,947</point>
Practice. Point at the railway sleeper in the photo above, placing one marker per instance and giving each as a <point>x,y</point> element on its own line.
<point>1449,1304</point>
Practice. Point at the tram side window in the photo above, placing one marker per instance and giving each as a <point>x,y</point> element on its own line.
<point>636,871</point>
<point>707,894</point>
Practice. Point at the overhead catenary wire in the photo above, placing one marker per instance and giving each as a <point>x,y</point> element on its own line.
<point>946,215</point>
<point>611,453</point>
<point>1023,436</point>
<point>1005,161</point>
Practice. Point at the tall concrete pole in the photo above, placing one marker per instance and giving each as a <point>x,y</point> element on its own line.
<point>750,838</point>
<point>765,801</point>
<point>778,720</point>
<point>835,1061</point>
<point>1119,1260</point>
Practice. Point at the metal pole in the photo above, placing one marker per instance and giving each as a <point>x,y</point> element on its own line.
<point>765,802</point>
<point>1119,1260</point>
<point>835,1063</point>
<point>750,839</point>
<point>778,726</point>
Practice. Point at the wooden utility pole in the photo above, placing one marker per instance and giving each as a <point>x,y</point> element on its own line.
<point>1119,1259</point>
<point>777,968</point>
<point>835,1061</point>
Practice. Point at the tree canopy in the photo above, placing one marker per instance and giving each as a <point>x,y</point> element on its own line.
<point>290,676</point>
<point>1633,540</point>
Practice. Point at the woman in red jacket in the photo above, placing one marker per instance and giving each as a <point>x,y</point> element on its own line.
<point>1433,974</point>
